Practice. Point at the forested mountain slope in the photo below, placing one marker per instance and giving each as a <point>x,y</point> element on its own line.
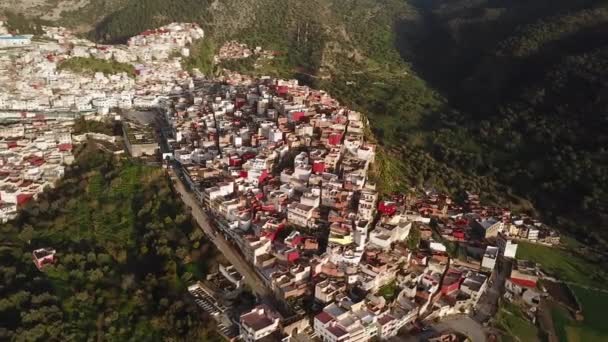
<point>530,82</point>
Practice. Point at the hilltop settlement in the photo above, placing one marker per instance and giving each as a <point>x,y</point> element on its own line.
<point>280,173</point>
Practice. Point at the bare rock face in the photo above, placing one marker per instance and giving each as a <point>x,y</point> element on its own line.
<point>44,9</point>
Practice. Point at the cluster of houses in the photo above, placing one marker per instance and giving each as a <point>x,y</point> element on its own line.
<point>33,156</point>
<point>235,50</point>
<point>31,80</point>
<point>350,277</point>
<point>8,40</point>
<point>160,43</point>
<point>284,171</point>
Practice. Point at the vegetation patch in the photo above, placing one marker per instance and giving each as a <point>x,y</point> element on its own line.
<point>201,57</point>
<point>593,327</point>
<point>513,321</point>
<point>563,264</point>
<point>89,65</point>
<point>389,291</point>
<point>124,258</point>
<point>111,128</point>
<point>18,23</point>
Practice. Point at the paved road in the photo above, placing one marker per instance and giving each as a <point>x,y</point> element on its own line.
<point>462,324</point>
<point>465,325</point>
<point>229,251</point>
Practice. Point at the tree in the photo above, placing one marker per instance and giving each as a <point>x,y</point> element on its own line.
<point>27,234</point>
<point>413,239</point>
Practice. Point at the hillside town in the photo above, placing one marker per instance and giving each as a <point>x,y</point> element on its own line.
<point>31,78</point>
<point>285,173</point>
<point>278,172</point>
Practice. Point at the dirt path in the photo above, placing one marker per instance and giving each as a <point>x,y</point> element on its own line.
<point>545,321</point>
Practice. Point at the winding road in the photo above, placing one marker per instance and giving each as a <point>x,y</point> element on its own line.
<point>461,323</point>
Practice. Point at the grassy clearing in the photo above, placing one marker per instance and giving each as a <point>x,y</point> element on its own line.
<point>563,264</point>
<point>511,319</point>
<point>569,330</point>
<point>592,328</point>
<point>594,305</point>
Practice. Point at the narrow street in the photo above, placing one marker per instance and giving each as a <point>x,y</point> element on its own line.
<point>229,251</point>
<point>488,303</point>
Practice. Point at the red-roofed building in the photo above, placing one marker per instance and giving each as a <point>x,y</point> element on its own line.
<point>23,199</point>
<point>296,241</point>
<point>523,282</point>
<point>282,90</point>
<point>248,155</point>
<point>297,116</point>
<point>338,332</point>
<point>36,161</point>
<point>64,147</point>
<point>334,139</point>
<point>458,234</point>
<point>318,166</point>
<point>451,282</point>
<point>323,317</point>
<point>263,177</point>
<point>387,208</point>
<point>235,161</point>
<point>240,102</point>
<point>293,255</point>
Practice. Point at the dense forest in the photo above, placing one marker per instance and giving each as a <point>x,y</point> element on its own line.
<point>125,254</point>
<point>527,83</point>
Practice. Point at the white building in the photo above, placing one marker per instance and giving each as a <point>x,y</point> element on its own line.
<point>15,41</point>
<point>345,321</point>
<point>506,246</point>
<point>385,235</point>
<point>299,214</point>
<point>367,204</point>
<point>258,323</point>
<point>489,258</point>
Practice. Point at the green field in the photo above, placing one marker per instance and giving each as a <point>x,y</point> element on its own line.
<point>513,321</point>
<point>564,265</point>
<point>592,328</point>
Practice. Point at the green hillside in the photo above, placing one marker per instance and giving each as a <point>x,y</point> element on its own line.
<point>125,253</point>
<point>527,82</point>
